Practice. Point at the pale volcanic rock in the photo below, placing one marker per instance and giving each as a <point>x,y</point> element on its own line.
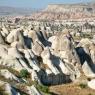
<point>32,34</point>
<point>12,63</point>
<point>14,53</point>
<point>32,61</point>
<point>91,84</point>
<point>85,41</point>
<point>17,44</point>
<point>55,42</point>
<point>1,39</point>
<point>4,31</point>
<point>92,52</point>
<point>27,54</point>
<point>46,55</point>
<point>37,49</point>
<point>88,70</point>
<point>3,51</point>
<point>16,35</point>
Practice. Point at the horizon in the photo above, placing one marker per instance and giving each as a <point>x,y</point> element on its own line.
<point>35,4</point>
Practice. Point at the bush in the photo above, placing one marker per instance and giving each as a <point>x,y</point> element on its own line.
<point>42,88</point>
<point>24,73</point>
<point>83,85</point>
<point>91,94</point>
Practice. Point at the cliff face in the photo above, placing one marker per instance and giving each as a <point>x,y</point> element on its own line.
<point>66,11</point>
<point>65,8</point>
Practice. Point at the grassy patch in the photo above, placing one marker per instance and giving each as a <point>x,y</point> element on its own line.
<point>24,73</point>
<point>43,88</point>
<point>91,94</point>
<point>83,85</point>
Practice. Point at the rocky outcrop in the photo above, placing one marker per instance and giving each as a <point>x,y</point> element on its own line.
<point>57,55</point>
<point>16,35</point>
<point>46,55</point>
<point>8,89</point>
<point>12,90</point>
<point>88,71</point>
<point>37,49</point>
<point>86,53</point>
<point>51,60</point>
<point>1,39</point>
<point>91,84</point>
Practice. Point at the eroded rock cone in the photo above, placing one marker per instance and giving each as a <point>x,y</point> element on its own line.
<point>39,35</point>
<point>89,69</point>
<point>32,35</point>
<point>46,56</point>
<point>1,39</point>
<point>4,31</point>
<point>16,35</point>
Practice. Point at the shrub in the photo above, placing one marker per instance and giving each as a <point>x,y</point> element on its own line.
<point>83,85</point>
<point>42,88</point>
<point>24,73</point>
<point>91,94</point>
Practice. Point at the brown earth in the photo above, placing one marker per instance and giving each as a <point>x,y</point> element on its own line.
<point>71,89</point>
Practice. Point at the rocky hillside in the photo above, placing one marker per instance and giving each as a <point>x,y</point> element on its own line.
<point>66,11</point>
<point>31,60</point>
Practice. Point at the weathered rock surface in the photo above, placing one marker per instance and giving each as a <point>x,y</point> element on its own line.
<point>50,59</point>
<point>91,84</point>
<point>88,70</point>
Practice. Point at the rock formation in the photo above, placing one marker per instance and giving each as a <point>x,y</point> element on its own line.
<point>40,54</point>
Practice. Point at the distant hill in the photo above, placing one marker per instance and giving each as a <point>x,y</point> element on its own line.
<point>66,11</point>
<point>5,11</point>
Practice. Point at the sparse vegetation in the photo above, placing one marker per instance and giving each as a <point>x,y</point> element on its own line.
<point>24,73</point>
<point>91,94</point>
<point>83,85</point>
<point>72,89</point>
<point>2,91</point>
<point>43,88</point>
<point>9,69</point>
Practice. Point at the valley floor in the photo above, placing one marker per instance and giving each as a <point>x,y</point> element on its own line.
<point>71,89</point>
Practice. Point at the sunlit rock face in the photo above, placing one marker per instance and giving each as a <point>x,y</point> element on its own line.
<point>91,84</point>
<point>86,53</point>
